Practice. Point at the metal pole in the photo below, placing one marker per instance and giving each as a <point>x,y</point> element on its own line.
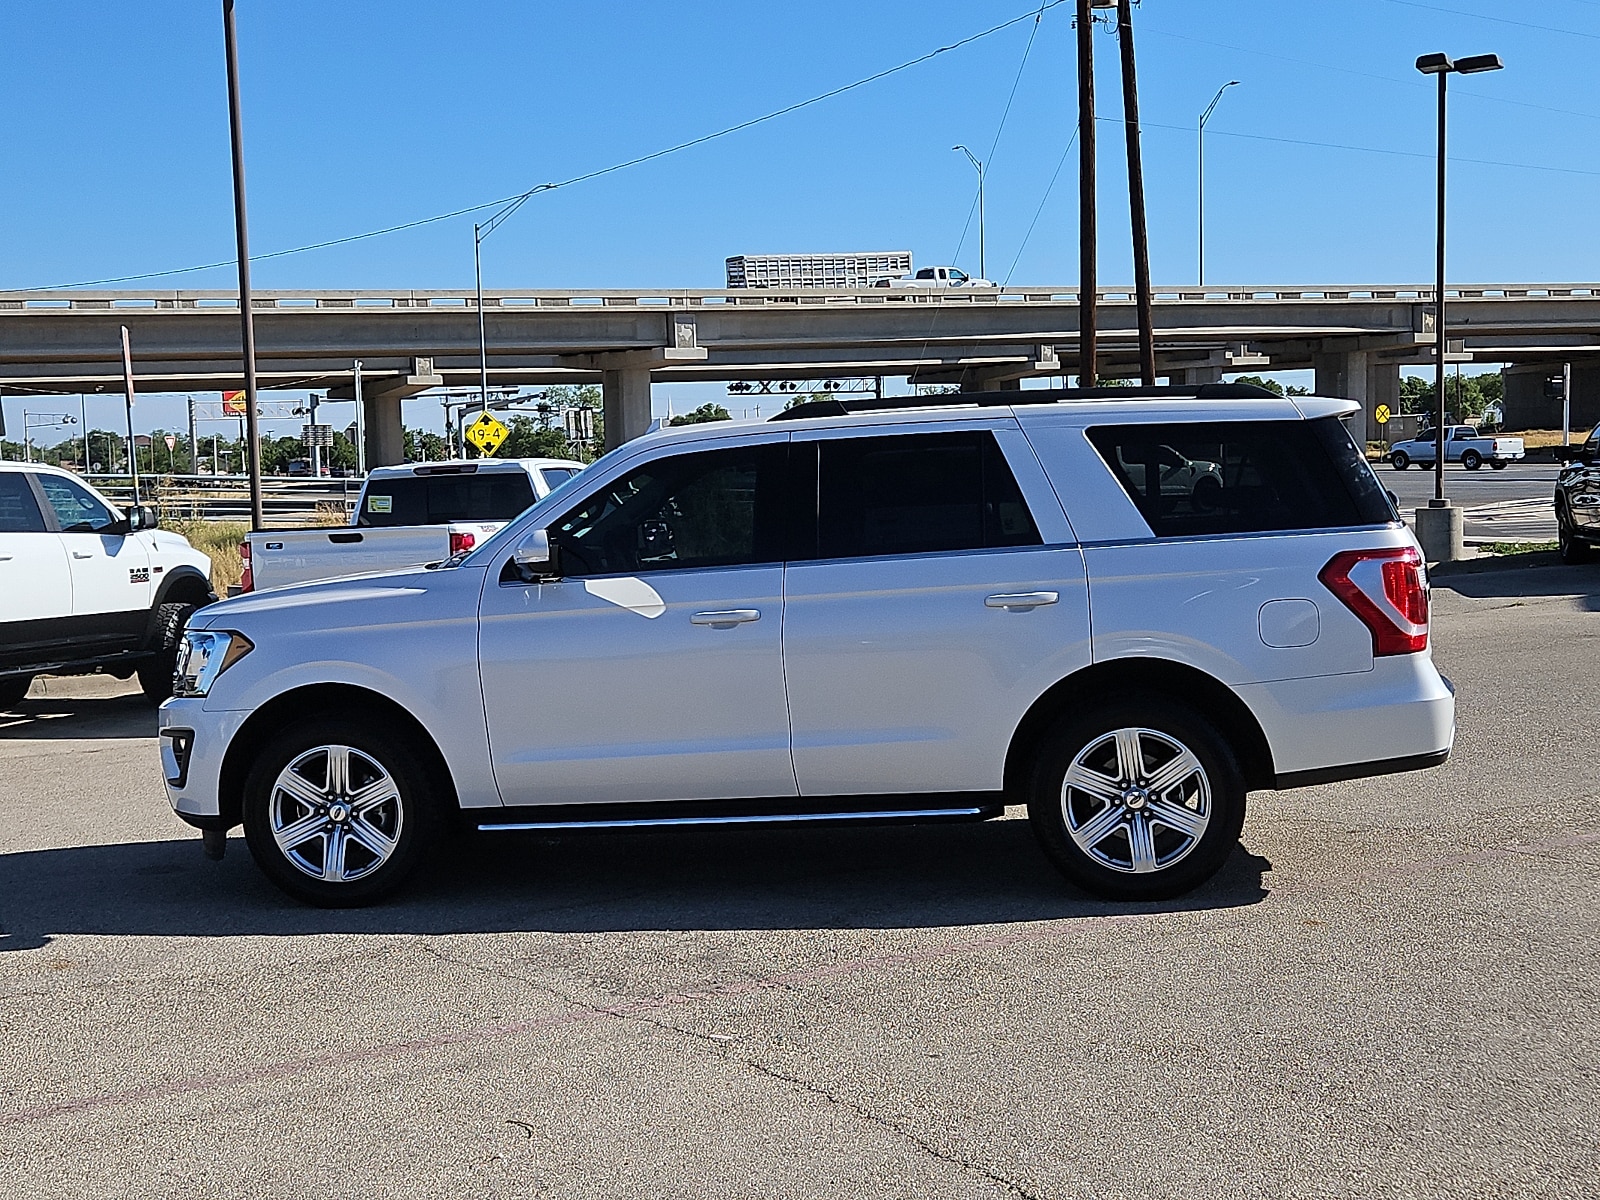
<point>83,417</point>
<point>194,447</point>
<point>1088,280</point>
<point>1141,239</point>
<point>483,344</point>
<point>1201,190</point>
<point>983,270</point>
<point>1439,338</point>
<point>133,446</point>
<point>1566,404</point>
<point>242,235</point>
<point>361,426</point>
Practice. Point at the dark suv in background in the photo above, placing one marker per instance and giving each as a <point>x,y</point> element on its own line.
<point>1578,499</point>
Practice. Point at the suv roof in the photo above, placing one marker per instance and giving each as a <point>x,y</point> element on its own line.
<point>469,466</point>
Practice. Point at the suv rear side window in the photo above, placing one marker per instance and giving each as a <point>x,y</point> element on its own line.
<point>440,499</point>
<point>917,493</point>
<point>1243,476</point>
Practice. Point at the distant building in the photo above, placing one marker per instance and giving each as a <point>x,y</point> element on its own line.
<point>816,270</point>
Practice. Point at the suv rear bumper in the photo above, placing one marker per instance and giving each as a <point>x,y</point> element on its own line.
<point>1400,716</point>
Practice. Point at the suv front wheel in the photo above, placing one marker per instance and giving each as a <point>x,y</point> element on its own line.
<point>1140,800</point>
<point>337,812</point>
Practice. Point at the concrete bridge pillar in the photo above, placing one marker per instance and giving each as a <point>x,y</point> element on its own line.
<point>626,392</point>
<point>1191,376</point>
<point>385,432</point>
<point>1360,376</point>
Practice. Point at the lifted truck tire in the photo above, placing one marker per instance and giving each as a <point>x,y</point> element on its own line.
<point>155,674</point>
<point>13,689</point>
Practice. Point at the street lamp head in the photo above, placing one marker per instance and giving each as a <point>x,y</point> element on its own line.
<point>1478,63</point>
<point>1435,64</point>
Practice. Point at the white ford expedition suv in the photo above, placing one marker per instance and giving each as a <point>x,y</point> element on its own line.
<point>857,612</point>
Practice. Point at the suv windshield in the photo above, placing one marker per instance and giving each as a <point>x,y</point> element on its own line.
<point>440,499</point>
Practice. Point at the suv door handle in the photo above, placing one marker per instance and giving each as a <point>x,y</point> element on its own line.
<point>1021,599</point>
<point>726,618</point>
<point>82,554</point>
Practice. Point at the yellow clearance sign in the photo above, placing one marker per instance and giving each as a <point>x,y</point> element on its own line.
<point>486,433</point>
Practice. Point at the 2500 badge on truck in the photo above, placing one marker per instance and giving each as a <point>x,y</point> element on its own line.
<point>860,612</point>
<point>84,587</point>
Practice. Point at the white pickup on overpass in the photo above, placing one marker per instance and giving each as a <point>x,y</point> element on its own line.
<point>1356,339</point>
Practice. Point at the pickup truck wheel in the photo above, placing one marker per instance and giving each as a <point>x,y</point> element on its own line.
<point>13,689</point>
<point>1573,549</point>
<point>155,674</point>
<point>1471,460</point>
<point>337,812</point>
<point>1400,460</point>
<point>1499,464</point>
<point>1139,800</point>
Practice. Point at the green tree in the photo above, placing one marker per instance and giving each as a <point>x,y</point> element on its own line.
<point>703,414</point>
<point>422,445</point>
<point>530,439</point>
<point>1272,385</point>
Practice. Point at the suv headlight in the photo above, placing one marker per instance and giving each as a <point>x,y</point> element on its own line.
<point>205,654</point>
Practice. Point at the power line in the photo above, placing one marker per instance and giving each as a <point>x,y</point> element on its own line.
<point>1456,12</point>
<point>515,201</point>
<point>1043,200</point>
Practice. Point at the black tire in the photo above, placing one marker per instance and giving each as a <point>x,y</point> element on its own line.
<point>1183,860</point>
<point>1499,464</point>
<point>1574,549</point>
<point>155,674</point>
<point>409,819</point>
<point>1471,460</point>
<point>12,689</point>
<point>1400,460</point>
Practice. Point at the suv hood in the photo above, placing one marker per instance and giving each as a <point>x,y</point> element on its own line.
<point>351,601</point>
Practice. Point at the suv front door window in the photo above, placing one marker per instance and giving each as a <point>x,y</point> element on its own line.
<point>652,668</point>
<point>111,577</point>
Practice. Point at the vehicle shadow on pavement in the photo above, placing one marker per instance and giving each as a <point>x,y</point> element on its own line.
<point>53,717</point>
<point>1517,578</point>
<point>726,879</point>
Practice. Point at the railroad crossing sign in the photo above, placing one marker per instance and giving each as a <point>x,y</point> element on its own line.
<point>1381,414</point>
<point>486,433</point>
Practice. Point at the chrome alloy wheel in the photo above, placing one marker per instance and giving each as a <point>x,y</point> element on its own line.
<point>335,813</point>
<point>1136,800</point>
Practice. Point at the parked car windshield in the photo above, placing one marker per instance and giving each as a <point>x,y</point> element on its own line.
<point>440,499</point>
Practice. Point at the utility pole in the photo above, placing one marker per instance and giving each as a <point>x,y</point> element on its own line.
<point>361,426</point>
<point>1141,241</point>
<point>1088,280</point>
<point>194,447</point>
<point>133,446</point>
<point>242,234</point>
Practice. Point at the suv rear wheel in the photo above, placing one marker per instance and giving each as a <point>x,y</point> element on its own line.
<point>337,811</point>
<point>1573,548</point>
<point>1139,800</point>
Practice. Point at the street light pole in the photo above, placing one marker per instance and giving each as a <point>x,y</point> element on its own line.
<point>242,236</point>
<point>1201,191</point>
<point>483,342</point>
<point>1443,67</point>
<point>983,272</point>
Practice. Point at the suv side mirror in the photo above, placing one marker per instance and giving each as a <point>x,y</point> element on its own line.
<point>534,556</point>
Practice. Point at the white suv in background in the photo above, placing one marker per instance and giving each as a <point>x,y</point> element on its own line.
<point>85,587</point>
<point>857,612</point>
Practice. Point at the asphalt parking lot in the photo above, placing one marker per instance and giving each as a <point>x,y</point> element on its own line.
<point>1390,991</point>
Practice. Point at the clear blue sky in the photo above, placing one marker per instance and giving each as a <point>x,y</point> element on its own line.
<point>365,114</point>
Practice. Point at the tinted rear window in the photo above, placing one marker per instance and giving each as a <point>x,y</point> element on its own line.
<point>439,499</point>
<point>1243,476</point>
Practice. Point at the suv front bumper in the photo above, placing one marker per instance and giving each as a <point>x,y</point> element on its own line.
<point>194,743</point>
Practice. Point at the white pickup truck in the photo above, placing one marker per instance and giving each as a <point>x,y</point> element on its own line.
<point>1462,444</point>
<point>406,517</point>
<point>935,277</point>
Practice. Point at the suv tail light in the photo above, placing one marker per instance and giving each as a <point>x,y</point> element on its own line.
<point>1387,591</point>
<point>247,582</point>
<point>460,542</point>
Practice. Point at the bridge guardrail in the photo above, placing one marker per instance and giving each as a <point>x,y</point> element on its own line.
<point>285,502</point>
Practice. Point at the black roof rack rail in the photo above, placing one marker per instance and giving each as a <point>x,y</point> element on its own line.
<point>837,406</point>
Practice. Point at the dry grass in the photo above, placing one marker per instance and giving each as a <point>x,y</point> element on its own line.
<point>330,512</point>
<point>220,540</point>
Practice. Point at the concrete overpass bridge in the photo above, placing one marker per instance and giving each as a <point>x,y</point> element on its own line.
<point>1356,339</point>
